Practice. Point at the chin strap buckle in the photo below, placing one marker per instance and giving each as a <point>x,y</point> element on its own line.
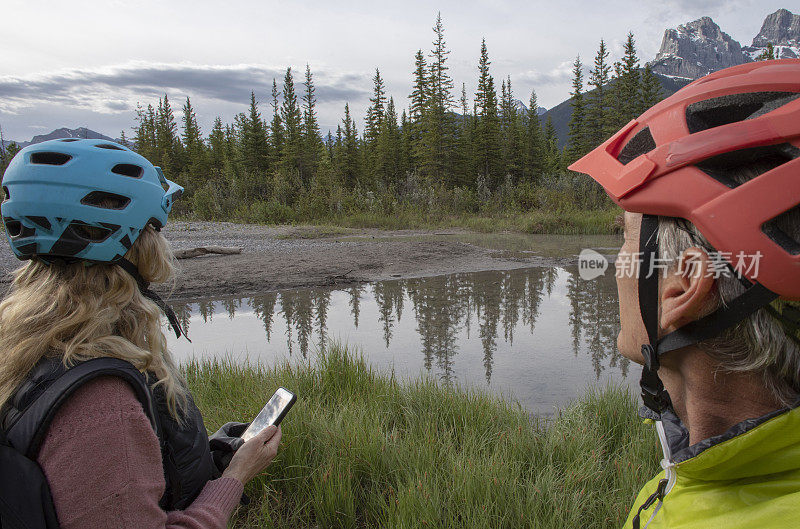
<point>657,495</point>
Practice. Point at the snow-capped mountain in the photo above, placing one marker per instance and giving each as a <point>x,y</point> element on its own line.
<point>700,47</point>
<point>523,108</point>
<point>696,49</point>
<point>782,30</point>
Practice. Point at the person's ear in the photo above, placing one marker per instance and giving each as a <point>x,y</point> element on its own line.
<point>688,290</point>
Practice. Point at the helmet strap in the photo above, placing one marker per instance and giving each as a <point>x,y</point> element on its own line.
<point>152,296</point>
<point>654,395</point>
<point>754,297</point>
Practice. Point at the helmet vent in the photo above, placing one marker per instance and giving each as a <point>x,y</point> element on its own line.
<point>724,110</point>
<point>127,169</point>
<point>109,147</point>
<point>13,227</point>
<point>6,193</point>
<point>89,233</point>
<point>777,228</point>
<point>101,199</point>
<point>69,140</point>
<point>50,158</point>
<point>737,167</point>
<point>640,144</point>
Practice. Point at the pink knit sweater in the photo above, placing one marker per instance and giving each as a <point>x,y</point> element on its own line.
<point>103,462</point>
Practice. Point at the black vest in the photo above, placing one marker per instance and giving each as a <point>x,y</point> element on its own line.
<point>184,448</point>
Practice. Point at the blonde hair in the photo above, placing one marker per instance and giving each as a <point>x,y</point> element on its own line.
<point>77,312</point>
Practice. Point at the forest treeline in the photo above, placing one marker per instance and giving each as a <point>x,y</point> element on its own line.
<point>451,152</point>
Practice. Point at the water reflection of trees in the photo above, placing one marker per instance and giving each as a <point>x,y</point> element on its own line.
<point>444,307</point>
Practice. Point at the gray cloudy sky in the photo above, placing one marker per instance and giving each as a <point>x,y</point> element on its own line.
<point>88,63</point>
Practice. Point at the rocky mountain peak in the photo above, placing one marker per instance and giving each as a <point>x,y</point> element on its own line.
<point>696,49</point>
<point>782,30</point>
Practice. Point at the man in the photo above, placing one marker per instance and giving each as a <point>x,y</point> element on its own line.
<point>710,181</point>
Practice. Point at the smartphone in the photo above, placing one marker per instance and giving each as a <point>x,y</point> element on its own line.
<point>272,413</point>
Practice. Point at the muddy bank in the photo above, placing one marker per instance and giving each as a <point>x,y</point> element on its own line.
<point>276,258</point>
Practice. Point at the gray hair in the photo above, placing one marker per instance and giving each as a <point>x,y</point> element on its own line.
<point>757,344</point>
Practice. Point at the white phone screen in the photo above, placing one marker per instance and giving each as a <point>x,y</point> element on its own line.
<point>269,413</point>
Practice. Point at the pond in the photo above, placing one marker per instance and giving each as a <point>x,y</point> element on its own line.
<point>538,335</point>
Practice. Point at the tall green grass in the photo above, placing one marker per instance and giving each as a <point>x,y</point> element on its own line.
<point>362,449</point>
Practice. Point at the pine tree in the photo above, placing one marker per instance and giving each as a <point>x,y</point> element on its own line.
<point>312,143</point>
<point>463,151</point>
<point>290,115</point>
<point>578,142</point>
<point>597,112</point>
<point>168,146</point>
<point>438,130</point>
<point>276,131</point>
<point>216,143</point>
<point>254,143</point>
<point>376,111</point>
<point>553,159</point>
<point>419,103</point>
<point>487,134</point>
<point>768,54</point>
<point>350,166</point>
<point>512,140</point>
<point>628,85</point>
<point>651,91</point>
<point>616,103</point>
<point>534,142</point>
<point>194,148</point>
<point>389,149</point>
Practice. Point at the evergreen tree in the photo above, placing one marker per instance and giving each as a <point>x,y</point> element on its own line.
<point>487,134</point>
<point>376,111</point>
<point>194,148</point>
<point>419,103</point>
<point>552,156</point>
<point>651,91</point>
<point>463,171</point>
<point>349,162</point>
<point>254,142</point>
<point>276,131</point>
<point>768,54</point>
<point>578,142</point>
<point>290,115</point>
<point>597,112</point>
<point>512,141</point>
<point>438,130</point>
<point>312,143</point>
<point>168,146</point>
<point>389,149</point>
<point>216,143</point>
<point>628,85</point>
<point>534,142</point>
<point>144,139</point>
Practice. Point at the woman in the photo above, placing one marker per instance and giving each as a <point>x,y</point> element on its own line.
<point>86,216</point>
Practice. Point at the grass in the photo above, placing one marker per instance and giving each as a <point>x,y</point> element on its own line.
<point>590,222</point>
<point>362,449</point>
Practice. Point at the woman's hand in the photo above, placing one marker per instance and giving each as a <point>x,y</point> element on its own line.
<point>254,455</point>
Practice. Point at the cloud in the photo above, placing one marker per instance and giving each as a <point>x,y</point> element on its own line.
<point>115,89</point>
<point>555,77</point>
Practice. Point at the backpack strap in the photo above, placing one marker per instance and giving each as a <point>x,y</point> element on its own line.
<point>27,432</point>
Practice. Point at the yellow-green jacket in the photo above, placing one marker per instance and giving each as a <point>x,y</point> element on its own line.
<point>748,477</point>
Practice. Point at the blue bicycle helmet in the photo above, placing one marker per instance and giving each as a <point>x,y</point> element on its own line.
<point>55,189</point>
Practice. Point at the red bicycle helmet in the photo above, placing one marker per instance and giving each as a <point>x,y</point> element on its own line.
<point>686,143</point>
<point>675,161</point>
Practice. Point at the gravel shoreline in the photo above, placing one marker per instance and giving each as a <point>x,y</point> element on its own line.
<point>276,258</point>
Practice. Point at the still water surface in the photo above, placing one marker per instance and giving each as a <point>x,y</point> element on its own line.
<point>538,335</point>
